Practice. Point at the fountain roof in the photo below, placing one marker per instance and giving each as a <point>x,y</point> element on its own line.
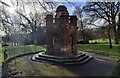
<point>61,8</point>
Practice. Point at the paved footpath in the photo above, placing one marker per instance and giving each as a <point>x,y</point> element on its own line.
<point>95,67</point>
<point>98,66</point>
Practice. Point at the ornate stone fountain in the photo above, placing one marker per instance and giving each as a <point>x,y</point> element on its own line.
<point>61,40</point>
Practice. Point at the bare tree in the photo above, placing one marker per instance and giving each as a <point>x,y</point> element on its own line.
<point>78,11</point>
<point>107,11</point>
<point>118,23</point>
<point>6,21</point>
<point>29,16</point>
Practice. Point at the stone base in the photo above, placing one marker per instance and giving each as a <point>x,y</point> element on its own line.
<point>79,58</point>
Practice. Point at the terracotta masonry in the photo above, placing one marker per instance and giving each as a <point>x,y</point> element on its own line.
<point>61,40</point>
<point>61,33</point>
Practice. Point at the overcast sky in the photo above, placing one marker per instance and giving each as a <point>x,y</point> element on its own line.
<point>69,6</point>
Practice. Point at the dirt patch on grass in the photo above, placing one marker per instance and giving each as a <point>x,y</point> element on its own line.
<point>39,69</point>
<point>24,66</point>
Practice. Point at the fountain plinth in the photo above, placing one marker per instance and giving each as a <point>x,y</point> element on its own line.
<point>61,39</point>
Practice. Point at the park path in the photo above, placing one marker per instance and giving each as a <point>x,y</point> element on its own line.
<point>98,66</point>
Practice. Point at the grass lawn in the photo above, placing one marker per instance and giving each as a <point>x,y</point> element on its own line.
<point>102,49</point>
<point>103,41</point>
<point>40,69</point>
<point>17,50</point>
<point>1,54</point>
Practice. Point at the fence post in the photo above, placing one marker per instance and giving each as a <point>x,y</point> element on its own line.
<point>4,69</point>
<point>5,63</point>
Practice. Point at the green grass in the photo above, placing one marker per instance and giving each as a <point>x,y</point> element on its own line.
<point>40,69</point>
<point>1,57</point>
<point>102,49</point>
<point>103,41</point>
<point>17,50</point>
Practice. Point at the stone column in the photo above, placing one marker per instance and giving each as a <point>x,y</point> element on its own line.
<point>73,24</point>
<point>49,24</point>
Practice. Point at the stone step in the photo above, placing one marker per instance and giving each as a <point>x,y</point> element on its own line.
<point>80,62</point>
<point>75,57</point>
<point>83,58</point>
<point>47,58</point>
<point>87,59</point>
<point>62,58</point>
<point>44,59</point>
<point>41,54</point>
<point>76,60</point>
<point>66,63</point>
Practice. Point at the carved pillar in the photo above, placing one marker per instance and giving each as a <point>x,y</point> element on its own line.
<point>49,24</point>
<point>73,24</point>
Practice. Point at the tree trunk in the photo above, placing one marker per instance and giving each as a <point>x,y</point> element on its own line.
<point>114,24</point>
<point>82,30</point>
<point>118,30</point>
<point>116,38</point>
<point>109,36</point>
<point>117,35</point>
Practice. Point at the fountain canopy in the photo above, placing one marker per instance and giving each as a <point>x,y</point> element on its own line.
<point>61,33</point>
<point>61,40</point>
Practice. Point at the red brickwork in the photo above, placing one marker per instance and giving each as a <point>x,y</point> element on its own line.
<point>61,36</point>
